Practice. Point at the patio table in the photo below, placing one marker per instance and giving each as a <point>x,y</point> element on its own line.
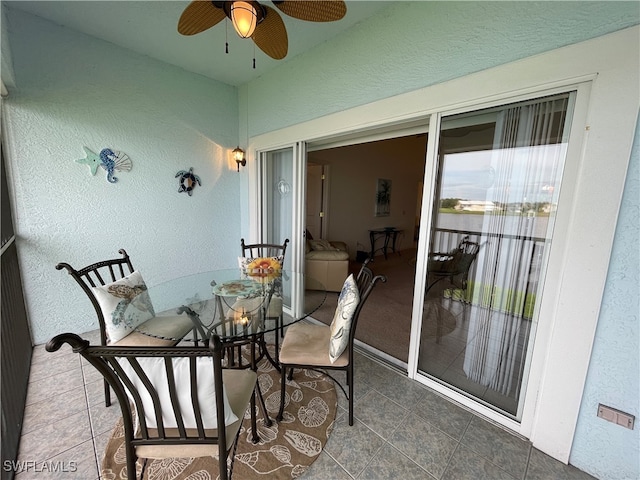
<point>237,307</point>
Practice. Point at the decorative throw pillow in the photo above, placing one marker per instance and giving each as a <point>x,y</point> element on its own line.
<point>154,368</point>
<point>250,265</point>
<point>341,324</point>
<point>262,269</point>
<point>125,304</point>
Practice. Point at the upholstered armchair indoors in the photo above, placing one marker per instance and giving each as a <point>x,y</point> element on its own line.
<point>176,402</point>
<point>327,262</point>
<point>119,297</point>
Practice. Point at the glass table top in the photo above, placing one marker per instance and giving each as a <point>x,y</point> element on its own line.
<point>228,303</point>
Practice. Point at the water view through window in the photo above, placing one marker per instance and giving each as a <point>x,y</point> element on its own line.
<point>499,179</point>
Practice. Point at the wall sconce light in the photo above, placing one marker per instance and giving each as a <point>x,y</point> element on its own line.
<point>244,18</point>
<point>238,156</point>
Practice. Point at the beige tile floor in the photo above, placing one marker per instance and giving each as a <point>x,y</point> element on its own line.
<point>402,430</point>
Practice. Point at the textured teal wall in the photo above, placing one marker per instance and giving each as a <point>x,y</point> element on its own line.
<point>73,91</point>
<point>412,45</point>
<point>609,450</point>
<point>163,119</point>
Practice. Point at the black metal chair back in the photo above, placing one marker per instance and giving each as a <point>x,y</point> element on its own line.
<point>453,265</point>
<point>366,281</point>
<point>257,250</point>
<point>261,250</point>
<point>468,251</point>
<point>134,382</point>
<point>100,274</point>
<point>364,275</point>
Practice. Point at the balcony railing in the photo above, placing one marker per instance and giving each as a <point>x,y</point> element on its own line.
<point>510,283</point>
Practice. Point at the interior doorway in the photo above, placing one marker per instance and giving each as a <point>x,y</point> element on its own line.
<point>348,212</point>
<point>316,211</point>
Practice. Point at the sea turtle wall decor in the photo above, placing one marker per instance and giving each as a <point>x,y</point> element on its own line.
<point>188,181</point>
<point>108,159</point>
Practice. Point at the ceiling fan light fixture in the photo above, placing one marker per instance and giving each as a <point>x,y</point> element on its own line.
<point>244,18</point>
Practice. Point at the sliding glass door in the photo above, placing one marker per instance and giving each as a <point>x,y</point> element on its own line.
<point>282,211</point>
<point>277,184</point>
<point>497,186</point>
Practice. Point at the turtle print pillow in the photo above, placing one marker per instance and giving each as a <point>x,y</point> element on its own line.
<point>125,304</point>
<point>341,324</point>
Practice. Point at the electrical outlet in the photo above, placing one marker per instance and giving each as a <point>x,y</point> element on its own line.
<point>616,416</point>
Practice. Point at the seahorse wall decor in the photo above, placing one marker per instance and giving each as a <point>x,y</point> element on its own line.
<point>108,159</point>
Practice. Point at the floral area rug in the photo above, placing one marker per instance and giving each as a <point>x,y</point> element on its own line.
<point>286,449</point>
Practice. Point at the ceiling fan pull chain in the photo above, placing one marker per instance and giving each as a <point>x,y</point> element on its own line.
<point>226,36</point>
<point>254,56</point>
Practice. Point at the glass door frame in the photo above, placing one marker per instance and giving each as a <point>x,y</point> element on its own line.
<point>576,141</point>
<point>605,71</point>
<point>295,249</point>
<point>566,206</point>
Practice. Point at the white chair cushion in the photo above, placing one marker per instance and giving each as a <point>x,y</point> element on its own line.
<point>341,324</point>
<point>154,368</point>
<point>125,304</point>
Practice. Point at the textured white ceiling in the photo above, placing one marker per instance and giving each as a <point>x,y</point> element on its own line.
<point>150,28</point>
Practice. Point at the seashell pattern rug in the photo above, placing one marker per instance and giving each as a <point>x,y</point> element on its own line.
<point>286,449</point>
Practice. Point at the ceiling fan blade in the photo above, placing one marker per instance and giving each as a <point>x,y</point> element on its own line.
<point>312,10</point>
<point>199,16</point>
<point>271,35</point>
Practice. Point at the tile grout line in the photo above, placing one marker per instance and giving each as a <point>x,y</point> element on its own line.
<point>93,433</point>
<point>526,467</point>
<point>386,441</point>
<point>93,438</point>
<point>458,445</point>
<point>501,468</point>
<point>335,459</point>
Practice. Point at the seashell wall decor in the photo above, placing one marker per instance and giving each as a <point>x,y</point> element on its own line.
<point>108,159</point>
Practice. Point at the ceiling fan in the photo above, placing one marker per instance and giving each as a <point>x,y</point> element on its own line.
<point>259,22</point>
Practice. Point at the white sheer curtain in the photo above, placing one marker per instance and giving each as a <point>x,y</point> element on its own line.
<point>527,159</point>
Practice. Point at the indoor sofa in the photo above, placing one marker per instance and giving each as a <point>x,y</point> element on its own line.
<point>327,262</point>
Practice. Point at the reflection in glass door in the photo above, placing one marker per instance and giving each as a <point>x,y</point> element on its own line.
<point>498,183</point>
<point>277,199</point>
<point>277,203</point>
<point>282,211</point>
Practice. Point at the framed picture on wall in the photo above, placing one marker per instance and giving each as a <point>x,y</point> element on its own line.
<point>383,197</point>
